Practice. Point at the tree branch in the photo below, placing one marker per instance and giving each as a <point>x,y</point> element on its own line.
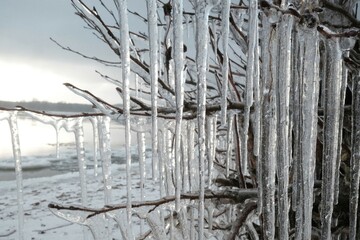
<point>236,196</point>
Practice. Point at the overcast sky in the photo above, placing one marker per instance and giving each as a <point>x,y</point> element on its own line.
<point>33,67</point>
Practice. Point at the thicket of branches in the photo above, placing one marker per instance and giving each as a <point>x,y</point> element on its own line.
<point>282,96</point>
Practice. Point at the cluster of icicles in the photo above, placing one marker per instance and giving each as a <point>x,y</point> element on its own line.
<point>187,176</point>
<point>281,99</point>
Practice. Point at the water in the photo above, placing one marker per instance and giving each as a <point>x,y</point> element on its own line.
<point>38,148</point>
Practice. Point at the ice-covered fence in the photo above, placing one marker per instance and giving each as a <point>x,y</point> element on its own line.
<point>247,118</point>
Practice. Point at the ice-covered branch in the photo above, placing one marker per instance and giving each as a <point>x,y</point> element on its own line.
<point>236,196</point>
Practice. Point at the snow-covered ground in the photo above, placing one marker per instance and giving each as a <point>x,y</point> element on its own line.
<point>40,223</point>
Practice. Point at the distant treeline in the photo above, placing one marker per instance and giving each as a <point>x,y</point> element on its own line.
<point>49,106</point>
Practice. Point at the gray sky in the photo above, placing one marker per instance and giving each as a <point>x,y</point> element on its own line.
<point>33,67</point>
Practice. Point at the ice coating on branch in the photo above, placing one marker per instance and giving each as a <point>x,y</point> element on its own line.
<point>155,224</point>
<point>283,99</point>
<point>97,224</point>
<point>331,131</point>
<point>154,67</point>
<point>125,66</point>
<point>12,119</point>
<point>49,120</point>
<point>225,16</point>
<point>92,16</point>
<point>105,155</point>
<point>355,160</point>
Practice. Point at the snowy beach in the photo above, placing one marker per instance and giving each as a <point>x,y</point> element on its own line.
<point>40,223</point>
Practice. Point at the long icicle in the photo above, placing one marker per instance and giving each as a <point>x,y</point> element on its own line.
<point>331,130</point>
<point>309,93</point>
<point>250,74</point>
<point>355,159</point>
<point>283,96</point>
<point>153,41</point>
<point>18,171</point>
<point>105,153</point>
<point>179,89</point>
<point>80,149</point>
<point>225,15</point>
<point>125,66</point>
<point>95,123</point>
<point>141,153</point>
<point>268,137</point>
<point>202,10</point>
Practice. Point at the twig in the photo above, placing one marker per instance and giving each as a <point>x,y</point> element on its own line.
<point>339,9</point>
<point>49,229</point>
<point>249,207</point>
<point>8,234</point>
<point>237,196</point>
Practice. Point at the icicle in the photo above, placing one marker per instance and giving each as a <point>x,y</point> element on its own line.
<point>18,171</point>
<point>179,89</point>
<point>194,184</point>
<point>229,143</point>
<point>202,10</point>
<point>162,160</point>
<point>105,154</point>
<point>269,134</point>
<point>170,164</point>
<point>79,137</point>
<point>185,163</point>
<point>257,103</point>
<point>141,153</point>
<point>341,119</point>
<point>216,40</point>
<point>225,16</point>
<point>94,123</point>
<point>188,25</point>
<point>355,159</point>
<point>306,91</point>
<point>331,131</point>
<point>57,129</point>
<point>211,133</point>
<point>283,96</point>
<point>250,74</point>
<point>137,88</point>
<point>125,64</point>
<point>153,41</point>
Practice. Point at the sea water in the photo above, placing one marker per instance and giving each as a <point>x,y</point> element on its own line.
<point>38,148</point>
